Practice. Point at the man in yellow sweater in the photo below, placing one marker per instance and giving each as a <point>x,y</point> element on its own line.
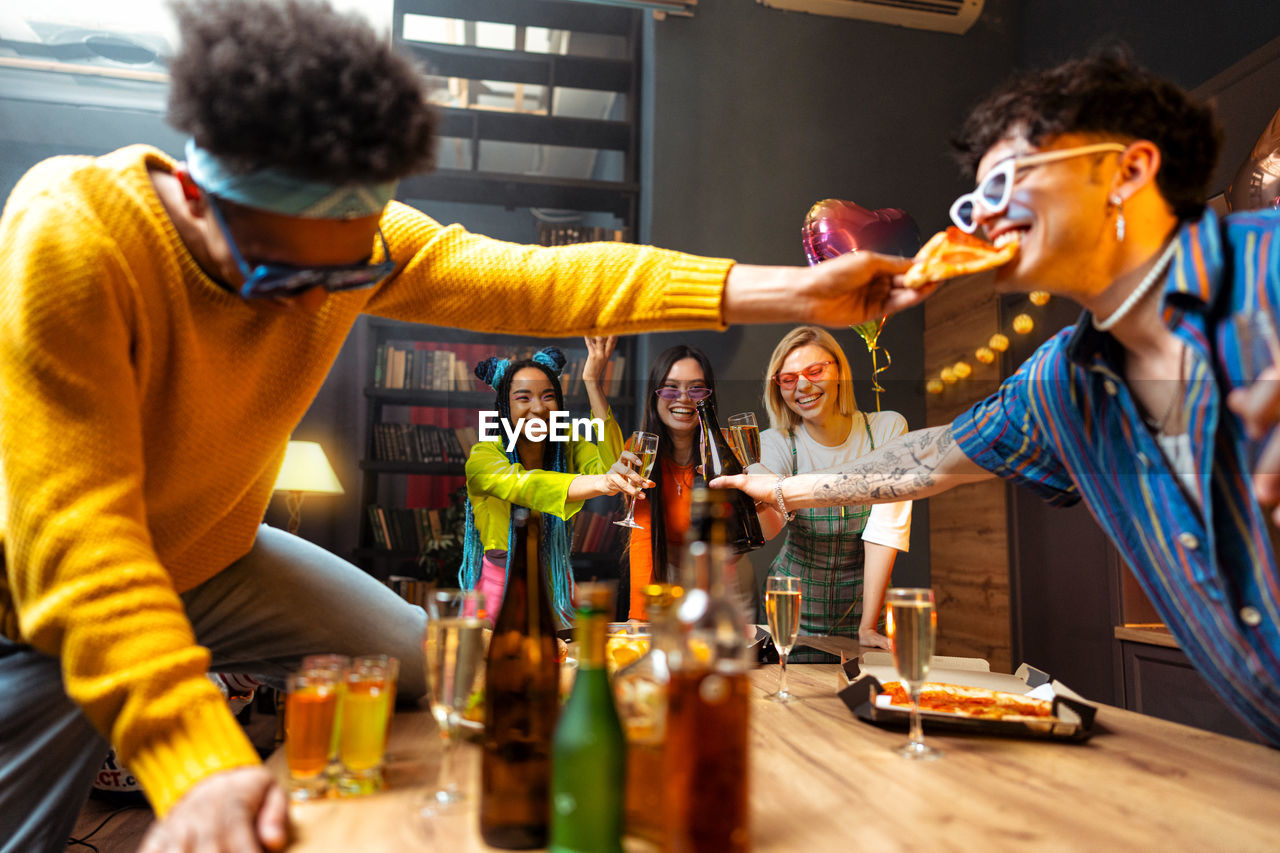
<point>163,328</point>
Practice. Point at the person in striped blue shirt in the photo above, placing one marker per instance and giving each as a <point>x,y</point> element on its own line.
<point>1099,170</point>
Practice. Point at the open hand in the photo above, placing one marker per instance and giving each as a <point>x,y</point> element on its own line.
<point>1258,406</point>
<point>874,639</point>
<point>599,351</point>
<point>233,811</point>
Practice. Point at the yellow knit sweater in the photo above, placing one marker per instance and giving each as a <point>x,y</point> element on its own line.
<point>146,410</point>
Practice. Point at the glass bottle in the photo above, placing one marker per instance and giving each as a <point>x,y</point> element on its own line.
<point>588,753</point>
<point>521,701</point>
<point>718,459</point>
<point>708,699</point>
<point>641,692</point>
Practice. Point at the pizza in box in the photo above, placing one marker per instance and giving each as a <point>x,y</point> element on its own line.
<point>977,703</point>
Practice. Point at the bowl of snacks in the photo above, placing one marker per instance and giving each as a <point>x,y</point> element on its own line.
<point>627,642</point>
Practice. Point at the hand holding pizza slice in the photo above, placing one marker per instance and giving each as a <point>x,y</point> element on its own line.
<point>953,253</point>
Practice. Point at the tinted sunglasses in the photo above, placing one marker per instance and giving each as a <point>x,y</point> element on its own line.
<point>699,392</point>
<point>813,373</point>
<point>995,189</point>
<point>271,280</point>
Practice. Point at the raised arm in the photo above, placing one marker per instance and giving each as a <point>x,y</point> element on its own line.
<point>916,465</point>
<point>599,351</point>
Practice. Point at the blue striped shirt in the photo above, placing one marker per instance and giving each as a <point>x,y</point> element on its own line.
<point>1066,426</point>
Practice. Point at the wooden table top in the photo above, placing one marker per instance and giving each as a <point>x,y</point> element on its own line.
<point>824,780</point>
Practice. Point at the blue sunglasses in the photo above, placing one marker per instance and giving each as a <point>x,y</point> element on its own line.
<point>268,281</point>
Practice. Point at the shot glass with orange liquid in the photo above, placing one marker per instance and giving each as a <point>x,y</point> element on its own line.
<point>362,741</point>
<point>311,704</point>
<point>337,666</point>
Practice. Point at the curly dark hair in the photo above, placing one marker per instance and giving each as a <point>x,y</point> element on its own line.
<point>293,83</point>
<point>1107,93</point>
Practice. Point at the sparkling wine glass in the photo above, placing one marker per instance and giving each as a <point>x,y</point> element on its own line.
<point>744,435</point>
<point>912,625</point>
<point>453,648</point>
<point>644,445</point>
<point>782,606</point>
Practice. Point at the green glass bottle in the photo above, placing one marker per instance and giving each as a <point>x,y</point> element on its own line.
<point>588,752</point>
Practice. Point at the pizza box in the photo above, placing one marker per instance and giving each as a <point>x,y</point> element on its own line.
<point>1073,717</point>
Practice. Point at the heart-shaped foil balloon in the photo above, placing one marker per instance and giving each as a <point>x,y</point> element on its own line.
<point>834,227</point>
<point>1257,183</point>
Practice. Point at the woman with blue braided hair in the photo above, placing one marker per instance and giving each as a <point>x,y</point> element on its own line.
<point>550,477</point>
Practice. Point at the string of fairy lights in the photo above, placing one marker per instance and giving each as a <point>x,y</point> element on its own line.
<point>1022,324</point>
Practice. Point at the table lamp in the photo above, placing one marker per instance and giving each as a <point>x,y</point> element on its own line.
<point>305,470</point>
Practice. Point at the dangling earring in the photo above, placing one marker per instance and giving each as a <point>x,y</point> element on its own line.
<point>1119,203</point>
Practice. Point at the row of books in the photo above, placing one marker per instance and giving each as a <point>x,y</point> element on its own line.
<point>397,442</point>
<point>420,529</point>
<point>407,529</point>
<point>411,365</point>
<point>550,234</point>
<point>429,366</point>
<point>594,532</point>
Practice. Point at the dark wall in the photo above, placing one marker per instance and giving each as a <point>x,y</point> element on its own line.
<point>1188,42</point>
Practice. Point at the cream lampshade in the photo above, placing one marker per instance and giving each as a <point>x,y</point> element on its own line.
<point>305,470</point>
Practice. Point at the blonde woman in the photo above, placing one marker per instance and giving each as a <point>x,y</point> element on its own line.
<point>842,555</point>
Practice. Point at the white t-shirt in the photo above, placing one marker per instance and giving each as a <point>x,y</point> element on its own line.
<point>889,524</point>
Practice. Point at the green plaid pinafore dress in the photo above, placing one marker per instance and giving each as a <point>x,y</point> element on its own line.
<point>824,549</point>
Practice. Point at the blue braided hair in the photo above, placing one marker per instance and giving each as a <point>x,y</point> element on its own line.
<point>497,373</point>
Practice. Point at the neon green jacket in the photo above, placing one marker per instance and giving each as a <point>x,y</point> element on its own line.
<point>494,483</point>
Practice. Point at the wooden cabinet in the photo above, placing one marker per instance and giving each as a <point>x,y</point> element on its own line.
<point>422,411</point>
<point>1160,681</point>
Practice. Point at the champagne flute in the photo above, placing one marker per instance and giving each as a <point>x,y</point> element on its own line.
<point>744,435</point>
<point>453,648</point>
<point>782,606</point>
<point>645,447</point>
<point>912,626</point>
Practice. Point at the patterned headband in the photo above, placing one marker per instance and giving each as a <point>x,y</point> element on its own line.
<point>278,191</point>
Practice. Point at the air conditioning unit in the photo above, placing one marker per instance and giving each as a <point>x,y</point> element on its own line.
<point>944,16</point>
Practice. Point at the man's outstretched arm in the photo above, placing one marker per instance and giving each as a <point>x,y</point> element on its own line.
<point>915,465</point>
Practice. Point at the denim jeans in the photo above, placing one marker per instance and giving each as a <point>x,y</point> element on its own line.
<point>282,601</point>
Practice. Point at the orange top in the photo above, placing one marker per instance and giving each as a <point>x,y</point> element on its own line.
<point>677,498</point>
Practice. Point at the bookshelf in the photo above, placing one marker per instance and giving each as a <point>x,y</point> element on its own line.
<point>421,402</point>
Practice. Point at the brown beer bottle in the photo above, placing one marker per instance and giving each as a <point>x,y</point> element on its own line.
<point>641,693</point>
<point>521,700</point>
<point>719,460</point>
<point>708,698</point>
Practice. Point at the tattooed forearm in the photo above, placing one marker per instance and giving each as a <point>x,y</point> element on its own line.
<point>900,470</point>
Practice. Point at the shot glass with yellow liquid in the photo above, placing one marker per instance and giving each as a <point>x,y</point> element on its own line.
<point>363,738</point>
<point>311,704</point>
<point>393,676</point>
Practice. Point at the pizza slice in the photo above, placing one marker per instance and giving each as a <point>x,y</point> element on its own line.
<point>977,702</point>
<point>954,253</point>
